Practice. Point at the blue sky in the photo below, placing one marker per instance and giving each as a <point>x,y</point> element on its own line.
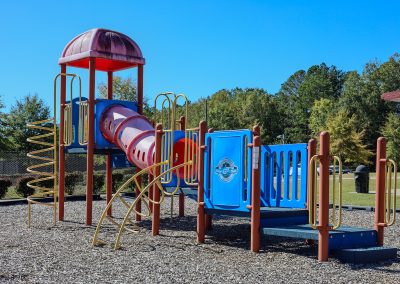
<point>197,47</point>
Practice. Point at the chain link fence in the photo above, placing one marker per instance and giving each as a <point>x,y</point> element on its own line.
<point>14,164</point>
<point>13,167</point>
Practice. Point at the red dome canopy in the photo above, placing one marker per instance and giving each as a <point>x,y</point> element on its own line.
<point>392,96</point>
<point>113,51</point>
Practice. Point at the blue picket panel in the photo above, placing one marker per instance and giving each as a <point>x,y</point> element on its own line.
<point>276,188</point>
<point>225,184</point>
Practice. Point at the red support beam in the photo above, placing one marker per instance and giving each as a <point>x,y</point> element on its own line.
<point>380,189</point>
<point>109,156</point>
<point>156,191</point>
<point>200,188</point>
<point>90,144</point>
<point>61,159</point>
<point>323,212</point>
<point>140,89</point>
<point>255,190</point>
<point>138,207</point>
<point>182,124</point>
<point>312,151</point>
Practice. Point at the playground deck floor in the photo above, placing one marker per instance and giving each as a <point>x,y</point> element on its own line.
<point>63,253</point>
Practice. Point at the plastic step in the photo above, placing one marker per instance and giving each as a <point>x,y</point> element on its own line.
<point>366,255</point>
<point>343,238</point>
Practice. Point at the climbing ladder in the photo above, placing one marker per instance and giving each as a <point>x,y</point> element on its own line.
<point>47,154</point>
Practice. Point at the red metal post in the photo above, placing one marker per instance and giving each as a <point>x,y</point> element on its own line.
<point>200,188</point>
<point>255,191</point>
<point>61,162</point>
<point>109,156</point>
<point>138,207</point>
<point>380,188</point>
<point>90,145</point>
<point>312,150</point>
<point>140,89</point>
<point>156,192</point>
<point>182,124</point>
<point>323,213</point>
<point>208,218</point>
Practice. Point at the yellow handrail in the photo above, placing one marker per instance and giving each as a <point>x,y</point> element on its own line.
<point>390,205</point>
<point>312,193</point>
<point>167,116</point>
<point>167,147</point>
<point>83,123</point>
<point>190,172</point>
<point>337,223</point>
<point>68,135</point>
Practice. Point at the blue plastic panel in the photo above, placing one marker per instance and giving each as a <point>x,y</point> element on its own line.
<point>120,161</point>
<point>227,176</point>
<point>284,175</point>
<point>100,106</point>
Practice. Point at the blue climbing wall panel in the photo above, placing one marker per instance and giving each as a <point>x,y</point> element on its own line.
<point>227,175</point>
<point>284,175</point>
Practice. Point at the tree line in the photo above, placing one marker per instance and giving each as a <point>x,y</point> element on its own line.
<point>348,104</point>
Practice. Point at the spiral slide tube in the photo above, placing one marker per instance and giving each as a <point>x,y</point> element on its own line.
<point>131,132</point>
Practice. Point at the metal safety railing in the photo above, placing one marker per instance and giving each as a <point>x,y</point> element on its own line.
<point>312,192</point>
<point>337,220</point>
<point>68,128</point>
<point>337,191</point>
<point>190,171</point>
<point>68,132</point>
<point>390,198</point>
<point>167,115</point>
<point>167,149</point>
<point>83,122</point>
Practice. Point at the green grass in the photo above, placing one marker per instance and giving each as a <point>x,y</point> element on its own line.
<point>12,194</point>
<point>350,197</point>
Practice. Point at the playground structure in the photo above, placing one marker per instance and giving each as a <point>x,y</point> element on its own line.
<point>230,172</point>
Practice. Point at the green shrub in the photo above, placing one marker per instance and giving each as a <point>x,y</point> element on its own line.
<point>22,189</point>
<point>132,185</point>
<point>117,181</point>
<point>4,185</point>
<point>71,180</point>
<point>98,183</point>
<point>49,184</point>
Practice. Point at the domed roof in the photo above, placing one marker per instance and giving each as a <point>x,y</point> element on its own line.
<point>391,96</point>
<point>113,51</point>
